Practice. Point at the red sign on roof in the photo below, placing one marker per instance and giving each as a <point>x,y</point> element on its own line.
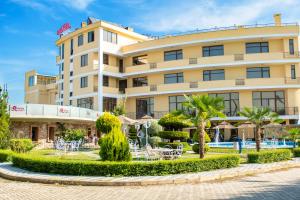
<point>63,28</point>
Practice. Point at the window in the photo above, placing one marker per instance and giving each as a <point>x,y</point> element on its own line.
<point>91,36</point>
<point>71,60</point>
<point>140,81</point>
<point>231,102</point>
<point>174,78</point>
<point>80,40</point>
<point>109,104</point>
<point>84,60</point>
<point>213,51</point>
<point>175,102</point>
<point>139,60</point>
<point>105,81</point>
<point>144,107</point>
<point>291,46</point>
<point>61,96</point>
<point>85,102</point>
<point>70,102</point>
<point>31,81</point>
<point>105,59</point>
<point>71,94</point>
<point>62,76</point>
<point>293,72</point>
<point>62,86</point>
<point>62,51</point>
<point>212,75</point>
<point>71,47</point>
<point>258,72</point>
<point>71,73</point>
<point>257,47</point>
<point>110,37</point>
<point>62,67</point>
<point>273,99</point>
<point>173,55</point>
<point>84,82</point>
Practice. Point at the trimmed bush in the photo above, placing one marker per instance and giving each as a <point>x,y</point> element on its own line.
<point>196,137</point>
<point>174,135</point>
<point>21,145</point>
<point>195,148</point>
<point>115,147</point>
<point>5,155</point>
<point>106,122</point>
<point>154,141</point>
<point>100,168</point>
<point>153,130</point>
<point>269,156</point>
<point>171,122</point>
<point>296,152</point>
<point>74,134</point>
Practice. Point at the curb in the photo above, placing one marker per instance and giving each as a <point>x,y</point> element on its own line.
<point>15,174</point>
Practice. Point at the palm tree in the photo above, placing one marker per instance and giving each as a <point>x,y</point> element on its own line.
<point>259,116</point>
<point>294,135</point>
<point>199,109</point>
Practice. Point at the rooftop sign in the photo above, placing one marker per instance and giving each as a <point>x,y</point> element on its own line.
<point>63,28</point>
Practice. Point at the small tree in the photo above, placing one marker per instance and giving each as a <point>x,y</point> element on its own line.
<point>115,147</point>
<point>74,134</point>
<point>153,130</point>
<point>120,108</point>
<point>106,122</point>
<point>294,134</point>
<point>172,122</point>
<point>5,133</point>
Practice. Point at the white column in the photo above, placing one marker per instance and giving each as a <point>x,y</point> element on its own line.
<point>100,71</point>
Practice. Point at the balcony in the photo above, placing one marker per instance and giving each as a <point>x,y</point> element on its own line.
<point>107,68</point>
<point>107,90</point>
<point>213,61</point>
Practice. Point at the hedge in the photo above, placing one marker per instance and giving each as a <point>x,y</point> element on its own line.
<point>174,135</point>
<point>174,145</point>
<point>104,168</point>
<point>296,152</point>
<point>269,156</point>
<point>5,155</point>
<point>21,145</point>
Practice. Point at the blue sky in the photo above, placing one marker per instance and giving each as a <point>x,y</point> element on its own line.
<point>28,27</point>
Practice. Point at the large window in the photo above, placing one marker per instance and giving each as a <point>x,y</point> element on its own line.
<point>175,102</point>
<point>109,104</point>
<point>291,46</point>
<point>212,75</point>
<point>80,40</point>
<point>257,47</point>
<point>84,82</point>
<point>105,81</point>
<point>144,107</point>
<point>105,59</point>
<point>293,72</point>
<point>139,60</point>
<point>174,78</point>
<point>71,47</point>
<point>231,102</point>
<point>84,60</point>
<point>31,81</point>
<point>173,55</point>
<point>62,51</point>
<point>91,36</point>
<point>258,72</point>
<point>213,51</point>
<point>110,37</point>
<point>140,81</point>
<point>272,99</point>
<point>85,102</point>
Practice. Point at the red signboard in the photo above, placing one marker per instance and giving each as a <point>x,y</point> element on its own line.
<point>17,109</point>
<point>63,28</point>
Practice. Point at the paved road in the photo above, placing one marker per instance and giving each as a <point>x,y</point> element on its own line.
<point>277,185</point>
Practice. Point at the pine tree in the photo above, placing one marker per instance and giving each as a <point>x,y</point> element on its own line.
<point>4,120</point>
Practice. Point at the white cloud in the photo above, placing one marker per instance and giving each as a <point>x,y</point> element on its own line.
<point>36,5</point>
<point>193,14</point>
<point>81,5</point>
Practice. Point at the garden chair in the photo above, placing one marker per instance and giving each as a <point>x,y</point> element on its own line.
<point>178,152</point>
<point>168,152</point>
<point>150,154</point>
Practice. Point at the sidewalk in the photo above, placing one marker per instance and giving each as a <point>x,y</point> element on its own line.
<point>9,172</point>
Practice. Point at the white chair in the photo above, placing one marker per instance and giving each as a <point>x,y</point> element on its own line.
<point>178,152</point>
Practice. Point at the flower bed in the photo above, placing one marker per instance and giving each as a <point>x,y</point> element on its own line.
<point>269,156</point>
<point>101,168</point>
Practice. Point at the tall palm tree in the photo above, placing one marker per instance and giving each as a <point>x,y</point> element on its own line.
<point>199,109</point>
<point>259,116</point>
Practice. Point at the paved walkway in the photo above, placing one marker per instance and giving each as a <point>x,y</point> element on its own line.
<point>268,186</point>
<point>12,173</point>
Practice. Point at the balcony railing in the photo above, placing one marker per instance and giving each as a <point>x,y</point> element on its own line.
<point>295,54</point>
<point>291,80</point>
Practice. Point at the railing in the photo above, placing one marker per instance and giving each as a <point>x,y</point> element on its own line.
<point>51,111</point>
<point>295,54</point>
<point>139,115</point>
<point>291,80</point>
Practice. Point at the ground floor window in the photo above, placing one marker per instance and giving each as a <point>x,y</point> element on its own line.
<point>272,99</point>
<point>144,107</point>
<point>85,102</point>
<point>231,102</point>
<point>109,104</point>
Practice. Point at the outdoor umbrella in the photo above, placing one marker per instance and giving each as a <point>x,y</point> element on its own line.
<point>272,125</point>
<point>225,125</point>
<point>126,120</point>
<point>247,124</point>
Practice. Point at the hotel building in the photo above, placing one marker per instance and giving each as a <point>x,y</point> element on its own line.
<point>249,66</point>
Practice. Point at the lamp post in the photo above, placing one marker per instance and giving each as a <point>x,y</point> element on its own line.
<point>147,125</point>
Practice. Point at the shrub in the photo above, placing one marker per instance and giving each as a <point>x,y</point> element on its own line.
<point>5,155</point>
<point>106,122</point>
<point>196,137</point>
<point>298,143</point>
<point>100,168</point>
<point>174,135</point>
<point>21,145</point>
<point>296,152</point>
<point>74,134</point>
<point>174,145</point>
<point>173,122</point>
<point>195,148</point>
<point>269,156</point>
<point>154,129</point>
<point>154,141</point>
<point>115,147</point>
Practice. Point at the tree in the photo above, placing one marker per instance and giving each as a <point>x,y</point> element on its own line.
<point>199,109</point>
<point>259,116</point>
<point>174,122</point>
<point>5,133</point>
<point>120,108</point>
<point>294,134</point>
<point>106,122</point>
